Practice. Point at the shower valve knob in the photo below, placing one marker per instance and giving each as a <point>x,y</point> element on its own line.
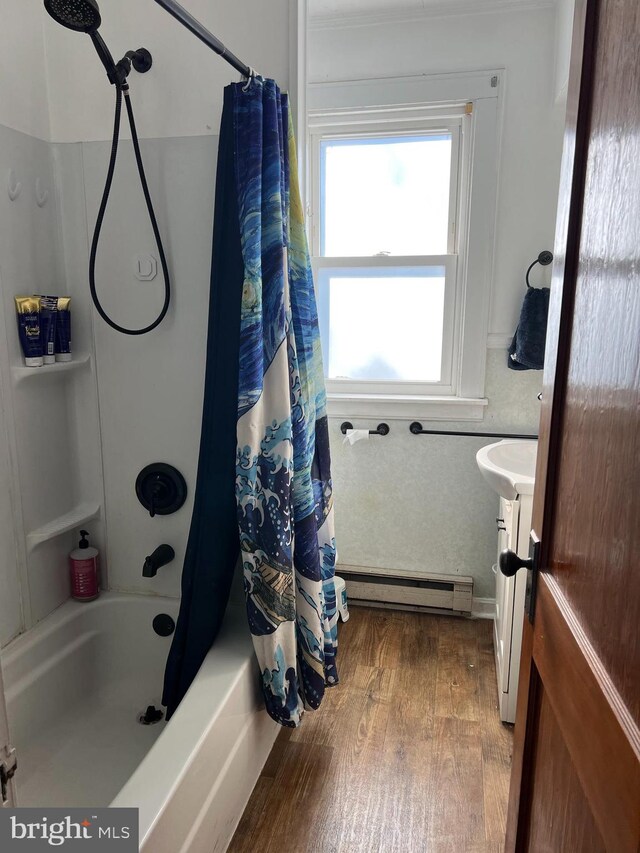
<point>161,489</point>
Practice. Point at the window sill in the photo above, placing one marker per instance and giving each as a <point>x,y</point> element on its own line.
<point>401,407</point>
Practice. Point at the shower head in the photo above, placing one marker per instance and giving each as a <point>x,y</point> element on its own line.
<point>83,16</point>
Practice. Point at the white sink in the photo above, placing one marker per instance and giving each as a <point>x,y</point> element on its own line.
<point>509,467</point>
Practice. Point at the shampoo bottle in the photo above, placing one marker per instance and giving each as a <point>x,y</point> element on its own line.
<point>83,564</point>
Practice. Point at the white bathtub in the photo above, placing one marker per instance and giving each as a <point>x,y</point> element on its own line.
<point>75,686</point>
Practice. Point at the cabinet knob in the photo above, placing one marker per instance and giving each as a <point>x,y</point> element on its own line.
<point>510,562</point>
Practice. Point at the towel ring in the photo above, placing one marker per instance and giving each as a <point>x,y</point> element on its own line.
<point>544,259</point>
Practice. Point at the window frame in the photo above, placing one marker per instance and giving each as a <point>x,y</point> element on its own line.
<point>364,125</point>
<point>414,106</point>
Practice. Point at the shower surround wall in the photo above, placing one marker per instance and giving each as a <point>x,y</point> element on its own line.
<point>49,432</point>
<point>418,503</point>
<point>72,440</point>
<point>150,387</point>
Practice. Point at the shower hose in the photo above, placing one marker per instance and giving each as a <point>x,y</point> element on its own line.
<point>122,91</point>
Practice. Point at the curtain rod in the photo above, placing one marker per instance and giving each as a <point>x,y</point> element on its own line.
<point>192,24</point>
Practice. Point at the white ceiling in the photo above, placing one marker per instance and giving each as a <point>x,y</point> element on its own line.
<point>337,9</point>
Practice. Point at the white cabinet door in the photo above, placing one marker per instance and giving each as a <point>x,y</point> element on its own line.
<point>505,587</point>
<point>520,544</point>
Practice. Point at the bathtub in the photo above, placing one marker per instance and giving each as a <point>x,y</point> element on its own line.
<point>76,685</point>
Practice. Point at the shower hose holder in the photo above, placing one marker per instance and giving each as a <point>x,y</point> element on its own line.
<point>140,60</point>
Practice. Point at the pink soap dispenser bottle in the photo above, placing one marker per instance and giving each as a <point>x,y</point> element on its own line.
<point>83,564</point>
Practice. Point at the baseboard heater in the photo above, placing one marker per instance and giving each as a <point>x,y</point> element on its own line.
<point>408,589</point>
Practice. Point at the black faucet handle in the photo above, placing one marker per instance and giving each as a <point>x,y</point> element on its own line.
<point>156,495</point>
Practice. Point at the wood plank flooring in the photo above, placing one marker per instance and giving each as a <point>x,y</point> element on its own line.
<point>406,754</point>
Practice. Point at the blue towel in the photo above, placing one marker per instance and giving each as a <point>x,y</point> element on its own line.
<point>527,347</point>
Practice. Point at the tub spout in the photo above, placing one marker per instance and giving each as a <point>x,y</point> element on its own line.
<point>160,557</point>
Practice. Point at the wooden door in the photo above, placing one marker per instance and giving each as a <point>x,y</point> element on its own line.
<point>575,784</point>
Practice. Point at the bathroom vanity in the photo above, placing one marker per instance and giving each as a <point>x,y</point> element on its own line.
<point>509,468</point>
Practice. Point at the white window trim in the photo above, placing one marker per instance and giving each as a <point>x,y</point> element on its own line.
<point>409,102</point>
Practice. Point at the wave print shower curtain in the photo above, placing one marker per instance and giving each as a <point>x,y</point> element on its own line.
<point>283,480</point>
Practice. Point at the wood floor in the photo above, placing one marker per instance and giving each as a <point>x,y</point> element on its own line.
<point>406,754</point>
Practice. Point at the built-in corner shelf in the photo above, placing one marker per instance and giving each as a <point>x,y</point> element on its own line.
<point>20,373</point>
<point>79,515</point>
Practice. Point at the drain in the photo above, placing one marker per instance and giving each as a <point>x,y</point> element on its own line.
<point>163,625</point>
<point>151,716</point>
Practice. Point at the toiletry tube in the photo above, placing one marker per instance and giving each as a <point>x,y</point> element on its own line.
<point>63,329</point>
<point>48,323</point>
<point>28,308</point>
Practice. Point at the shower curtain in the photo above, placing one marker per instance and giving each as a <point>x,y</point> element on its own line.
<point>264,351</point>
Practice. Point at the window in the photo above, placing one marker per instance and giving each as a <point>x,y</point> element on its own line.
<point>390,205</point>
<point>386,269</point>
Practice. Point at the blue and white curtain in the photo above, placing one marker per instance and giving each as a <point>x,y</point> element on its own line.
<point>283,478</point>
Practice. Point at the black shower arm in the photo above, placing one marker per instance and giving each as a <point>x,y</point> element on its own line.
<point>194,26</point>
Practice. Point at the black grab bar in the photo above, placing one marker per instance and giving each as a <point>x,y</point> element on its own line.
<point>416,429</point>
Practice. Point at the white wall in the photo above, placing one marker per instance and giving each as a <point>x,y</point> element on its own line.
<point>182,95</point>
<point>418,502</point>
<point>24,103</point>
<point>52,424</point>
<point>24,247</point>
<point>564,32</point>
<point>49,440</point>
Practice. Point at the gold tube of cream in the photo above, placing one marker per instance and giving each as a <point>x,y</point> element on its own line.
<point>28,308</point>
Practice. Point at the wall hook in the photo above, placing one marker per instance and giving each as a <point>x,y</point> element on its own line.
<point>42,194</point>
<point>14,187</point>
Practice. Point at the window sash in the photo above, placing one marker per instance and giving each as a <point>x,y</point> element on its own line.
<point>377,265</point>
<point>393,128</point>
